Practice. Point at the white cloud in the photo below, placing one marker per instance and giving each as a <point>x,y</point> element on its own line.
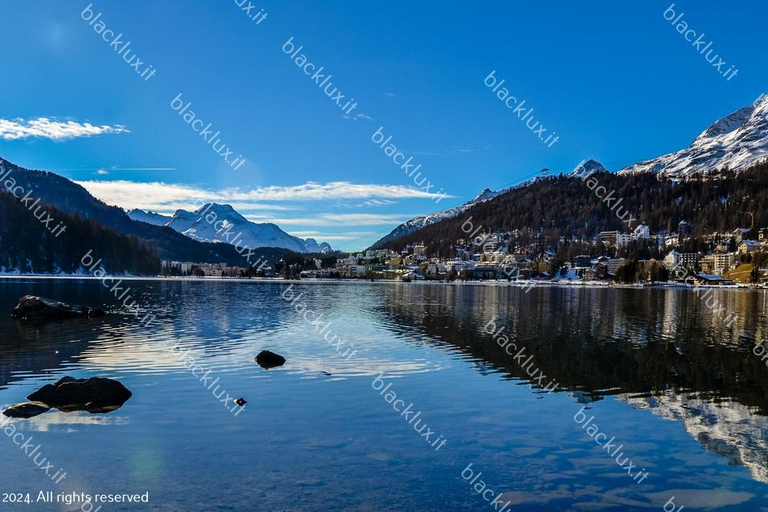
<point>48,128</point>
<point>375,202</point>
<point>158,196</point>
<point>245,206</point>
<point>390,94</point>
<point>358,116</point>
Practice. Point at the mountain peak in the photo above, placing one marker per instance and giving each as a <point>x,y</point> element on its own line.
<point>587,168</point>
<point>484,196</point>
<point>736,142</point>
<point>149,217</point>
<point>216,207</point>
<point>216,222</point>
<point>594,164</point>
<point>727,124</point>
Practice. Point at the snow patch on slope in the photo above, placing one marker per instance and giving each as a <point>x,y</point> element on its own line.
<point>586,169</point>
<point>736,142</point>
<point>417,223</point>
<point>223,224</point>
<point>153,218</point>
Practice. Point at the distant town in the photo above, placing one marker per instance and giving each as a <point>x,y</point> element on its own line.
<point>737,257</point>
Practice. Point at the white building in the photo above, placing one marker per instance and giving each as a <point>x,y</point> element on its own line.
<point>724,262</point>
<point>673,260</point>
<point>641,232</point>
<point>748,246</point>
<point>613,264</point>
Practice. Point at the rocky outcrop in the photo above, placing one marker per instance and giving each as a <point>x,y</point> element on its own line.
<point>267,359</point>
<point>93,395</point>
<point>38,308</point>
<point>26,410</point>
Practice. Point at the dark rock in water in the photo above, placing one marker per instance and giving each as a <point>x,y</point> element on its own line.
<point>241,401</point>
<point>38,308</point>
<point>93,395</point>
<point>267,359</point>
<point>26,410</point>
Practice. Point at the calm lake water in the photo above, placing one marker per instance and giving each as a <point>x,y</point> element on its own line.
<point>681,392</point>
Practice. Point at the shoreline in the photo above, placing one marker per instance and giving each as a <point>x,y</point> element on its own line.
<point>496,283</point>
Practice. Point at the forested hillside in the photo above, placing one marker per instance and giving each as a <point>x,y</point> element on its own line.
<point>562,206</point>
<point>70,197</point>
<point>28,246</point>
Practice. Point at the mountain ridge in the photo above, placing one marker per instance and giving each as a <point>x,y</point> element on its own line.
<point>216,223</point>
<point>735,142</point>
<point>417,223</point>
<point>71,198</point>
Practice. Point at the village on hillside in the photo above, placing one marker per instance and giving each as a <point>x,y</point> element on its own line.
<point>739,257</point>
<point>731,258</point>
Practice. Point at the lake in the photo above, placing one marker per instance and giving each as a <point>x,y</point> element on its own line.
<point>504,383</point>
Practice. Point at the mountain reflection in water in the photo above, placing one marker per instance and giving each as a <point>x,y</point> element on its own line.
<point>646,361</point>
<point>658,349</point>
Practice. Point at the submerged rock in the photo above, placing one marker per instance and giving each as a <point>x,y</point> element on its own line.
<point>93,395</point>
<point>26,410</point>
<point>267,359</point>
<point>39,308</point>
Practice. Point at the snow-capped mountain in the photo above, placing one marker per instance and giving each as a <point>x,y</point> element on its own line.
<point>487,194</point>
<point>586,169</point>
<point>736,142</point>
<point>419,222</point>
<point>221,223</point>
<point>153,218</point>
<point>725,427</point>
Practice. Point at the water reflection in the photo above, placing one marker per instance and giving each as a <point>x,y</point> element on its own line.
<point>655,349</point>
<point>652,349</point>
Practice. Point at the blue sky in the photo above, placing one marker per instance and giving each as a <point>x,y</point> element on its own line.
<point>614,80</point>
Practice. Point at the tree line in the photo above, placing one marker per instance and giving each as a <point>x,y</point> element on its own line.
<point>27,246</point>
<point>562,212</point>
